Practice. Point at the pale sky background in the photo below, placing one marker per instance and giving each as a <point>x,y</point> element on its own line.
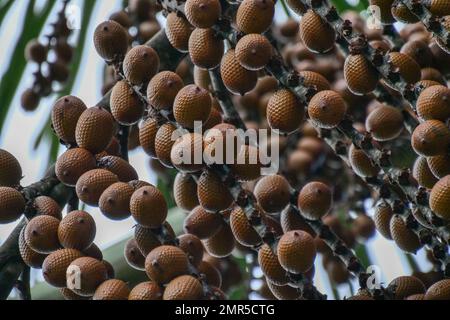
<point>22,128</point>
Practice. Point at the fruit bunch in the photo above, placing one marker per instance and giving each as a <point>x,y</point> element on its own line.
<point>359,114</point>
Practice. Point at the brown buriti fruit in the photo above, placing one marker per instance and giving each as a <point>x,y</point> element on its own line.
<point>360,74</point>
<point>423,174</point>
<point>431,138</point>
<point>203,13</point>
<point>72,164</point>
<point>134,256</point>
<point>317,34</point>
<point>255,16</point>
<point>212,274</point>
<point>439,291</point>
<point>92,273</point>
<point>291,220</point>
<point>30,257</point>
<point>95,129</point>
<point>93,251</point>
<point>77,230</point>
<point>253,52</point>
<point>140,65</point>
<point>205,48</point>
<point>202,224</point>
<point>178,31</point>
<point>432,74</point>
<point>401,12</point>
<point>315,80</point>
<point>30,100</point>
<point>409,69</point>
<point>434,103</point>
<point>213,194</point>
<point>285,112</point>
<point>12,205</point>
<point>440,7</point>
<point>201,78</point>
<point>419,51</point>
<point>297,6</point>
<point>146,291</point>
<point>297,252</point>
<point>284,292</point>
<point>115,201</point>
<point>243,231</point>
<point>65,115</point>
<point>148,207</point>
<point>165,263</point>
<point>187,153</point>
<point>41,234</point>
<point>93,183</point>
<point>247,166</point>
<point>109,269</point>
<point>300,162</point>
<point>112,290</point>
<point>361,163</point>
<point>147,136</point>
<point>163,89</point>
<point>54,268</point>
<point>192,103</point>
<point>126,107</point>
<point>385,123</point>
<point>271,267</point>
<point>10,170</point>
<point>406,286</point>
<point>185,192</point>
<point>327,109</point>
<point>193,247</point>
<point>164,143</point>
<point>35,51</point>
<point>236,78</point>
<point>146,240</point>
<point>363,227</point>
<point>405,239</point>
<point>111,40</point>
<point>440,198</point>
<point>315,200</point>
<point>439,165</point>
<point>221,244</point>
<point>47,206</point>
<point>273,193</point>
<point>121,168</point>
<point>183,288</point>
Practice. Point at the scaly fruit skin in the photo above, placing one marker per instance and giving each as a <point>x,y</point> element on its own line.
<point>165,263</point>
<point>315,200</point>
<point>255,16</point>
<point>434,103</point>
<point>406,286</point>
<point>212,193</point>
<point>146,291</point>
<point>203,13</point>
<point>243,231</point>
<point>285,112</point>
<point>385,123</point>
<point>110,40</point>
<point>133,255</point>
<point>202,223</point>
<point>236,78</point>
<point>192,104</point>
<point>361,163</point>
<point>284,292</point>
<point>423,174</point>
<point>163,89</point>
<point>401,12</point>
<point>253,52</point>
<point>271,267</point>
<point>431,138</point>
<point>440,198</point>
<point>183,288</point>
<point>10,170</point>
<point>47,206</point>
<point>41,234</point>
<point>147,136</point>
<point>77,230</point>
<point>273,193</point>
<point>72,164</point>
<point>361,76</point>
<point>187,153</point>
<point>115,201</point>
<point>92,184</point>
<point>327,109</point>
<point>205,48</point>
<point>212,274</point>
<point>92,273</point>
<point>439,291</point>
<point>290,220</point>
<point>439,165</point>
<point>12,205</point>
<point>296,6</point>
<point>55,266</point>
<point>247,166</point>
<point>193,248</point>
<point>145,239</point>
<point>316,80</point>
<point>31,258</point>
<point>164,144</point>
<point>405,239</point>
<point>95,129</point>
<point>65,115</point>
<point>113,290</point>
<point>409,69</point>
<point>126,107</point>
<point>178,31</point>
<point>93,251</point>
<point>297,252</point>
<point>185,192</point>
<point>148,207</point>
<point>140,65</point>
<point>317,34</point>
<point>221,244</point>
<point>121,168</point>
